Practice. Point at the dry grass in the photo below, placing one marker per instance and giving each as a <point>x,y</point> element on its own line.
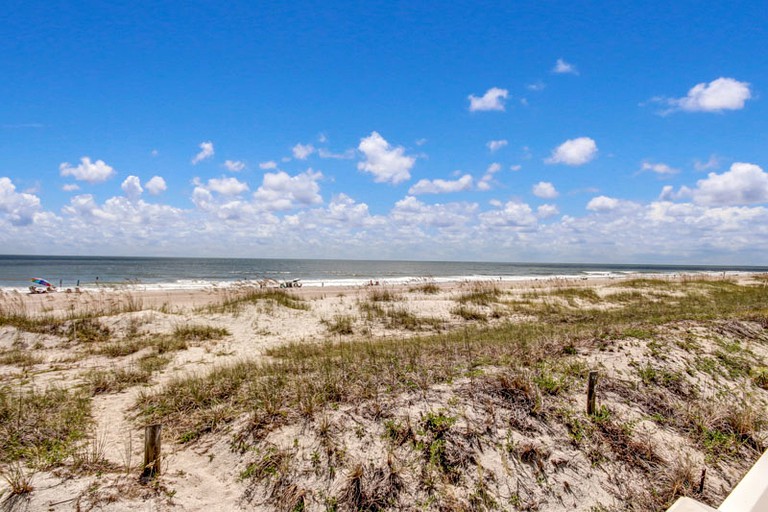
<point>414,420</point>
<point>234,299</point>
<point>41,427</point>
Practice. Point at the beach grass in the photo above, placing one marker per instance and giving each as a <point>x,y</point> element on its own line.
<point>234,299</point>
<point>415,413</point>
<point>311,372</point>
<point>42,427</point>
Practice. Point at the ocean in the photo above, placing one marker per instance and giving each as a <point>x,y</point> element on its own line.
<point>191,273</point>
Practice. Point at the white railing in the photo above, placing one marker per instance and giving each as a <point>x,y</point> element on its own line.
<point>750,495</point>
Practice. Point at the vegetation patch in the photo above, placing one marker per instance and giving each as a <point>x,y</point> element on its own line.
<point>42,427</point>
<point>235,299</point>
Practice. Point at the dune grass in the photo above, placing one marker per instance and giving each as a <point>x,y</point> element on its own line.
<point>235,299</point>
<point>306,377</point>
<point>42,427</point>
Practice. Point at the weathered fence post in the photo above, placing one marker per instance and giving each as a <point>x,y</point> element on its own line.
<point>151,451</point>
<point>591,392</point>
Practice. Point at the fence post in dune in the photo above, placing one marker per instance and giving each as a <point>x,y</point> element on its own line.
<point>591,392</point>
<point>151,452</point>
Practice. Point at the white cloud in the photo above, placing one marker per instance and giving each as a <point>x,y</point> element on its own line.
<point>206,151</point>
<point>513,214</point>
<point>156,185</point>
<point>92,172</point>
<point>493,168</point>
<point>546,211</point>
<point>545,190</point>
<point>271,164</point>
<point>349,154</point>
<point>743,184</point>
<point>70,187</point>
<point>344,209</point>
<point>659,168</point>
<point>562,67</point>
<point>20,208</point>
<point>227,186</point>
<point>515,167</point>
<point>716,96</point>
<point>132,187</point>
<point>536,86</point>
<point>387,164</point>
<point>493,99</point>
<point>712,163</point>
<point>495,145</point>
<point>412,212</point>
<point>439,186</point>
<point>602,204</point>
<point>302,151</point>
<point>234,165</point>
<point>574,152</point>
<point>668,193</point>
<point>484,184</point>
<point>280,191</point>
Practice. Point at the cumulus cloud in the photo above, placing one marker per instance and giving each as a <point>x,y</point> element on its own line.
<point>344,209</point>
<point>513,214</point>
<point>234,165</point>
<point>132,187</point>
<point>206,151</point>
<point>70,187</point>
<point>562,67</point>
<point>658,168</point>
<point>91,172</point>
<point>546,211</point>
<point>271,164</point>
<point>545,190</point>
<point>574,152</point>
<point>156,185</point>
<point>387,164</point>
<point>439,186</point>
<point>281,191</point>
<point>742,184</point>
<point>602,204</point>
<point>493,99</point>
<point>495,145</point>
<point>484,184</point>
<point>411,211</point>
<point>227,186</point>
<point>302,151</point>
<point>716,96</point>
<point>19,208</point>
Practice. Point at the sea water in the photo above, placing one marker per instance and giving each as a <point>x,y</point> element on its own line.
<point>195,273</point>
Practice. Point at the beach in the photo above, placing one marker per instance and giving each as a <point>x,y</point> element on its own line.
<point>452,410</point>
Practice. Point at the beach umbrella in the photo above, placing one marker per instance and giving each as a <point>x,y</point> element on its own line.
<point>40,281</point>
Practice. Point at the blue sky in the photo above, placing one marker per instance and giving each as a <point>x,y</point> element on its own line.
<point>508,131</point>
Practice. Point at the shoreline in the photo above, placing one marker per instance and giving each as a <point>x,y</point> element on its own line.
<point>194,286</point>
<point>110,298</point>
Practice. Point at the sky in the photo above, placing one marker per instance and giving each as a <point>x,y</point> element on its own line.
<point>531,131</point>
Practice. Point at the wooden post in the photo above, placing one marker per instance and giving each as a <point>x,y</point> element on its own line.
<point>701,482</point>
<point>591,392</point>
<point>151,451</point>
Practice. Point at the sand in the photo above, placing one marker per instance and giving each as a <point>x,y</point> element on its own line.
<point>205,475</point>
